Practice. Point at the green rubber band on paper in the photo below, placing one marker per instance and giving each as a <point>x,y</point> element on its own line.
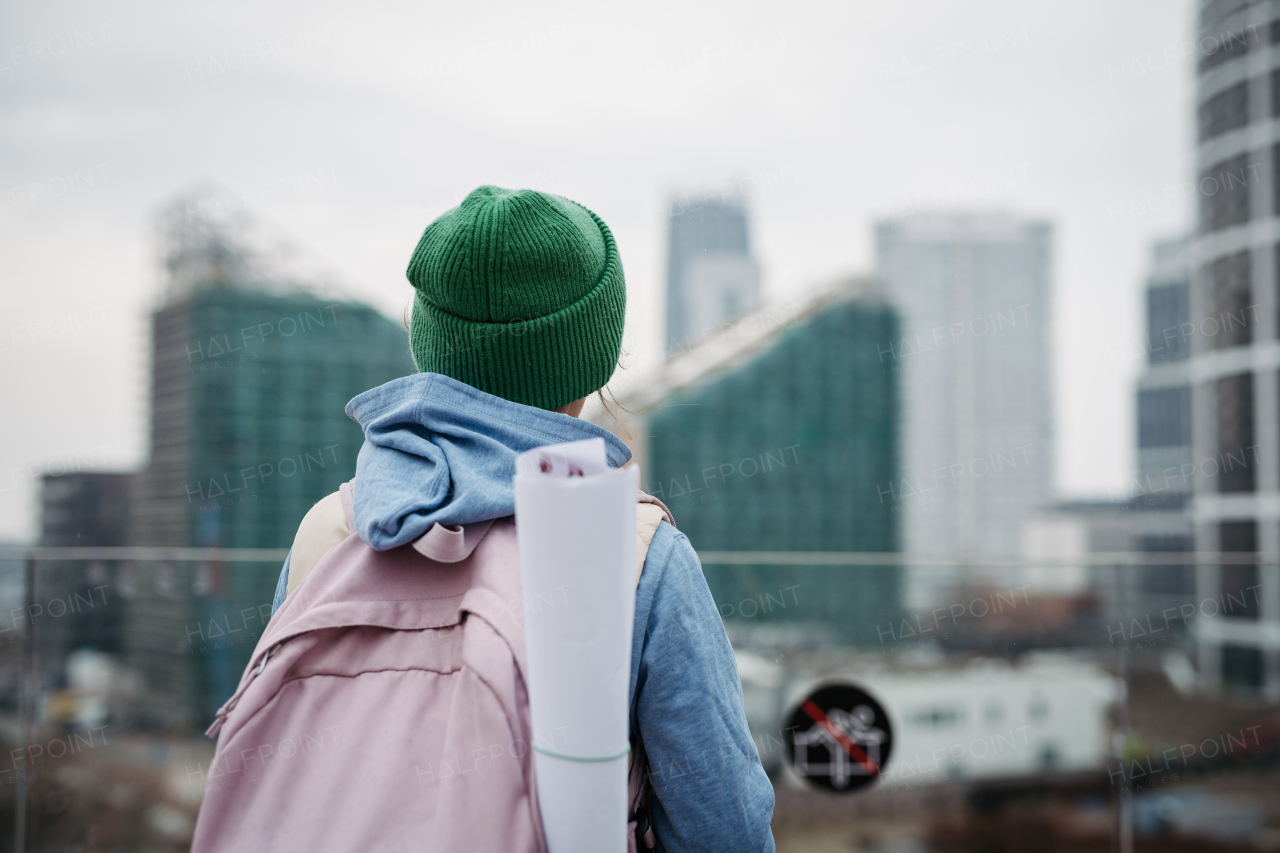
<point>580,757</point>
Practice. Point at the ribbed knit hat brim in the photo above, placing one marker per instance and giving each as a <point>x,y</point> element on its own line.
<point>545,361</point>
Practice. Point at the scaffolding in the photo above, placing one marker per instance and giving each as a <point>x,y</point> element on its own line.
<point>208,237</point>
<point>782,450</point>
<point>255,354</point>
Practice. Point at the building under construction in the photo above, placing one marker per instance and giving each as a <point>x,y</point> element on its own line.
<point>254,357</point>
<point>779,434</point>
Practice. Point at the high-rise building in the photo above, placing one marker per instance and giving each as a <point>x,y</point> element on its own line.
<point>85,508</point>
<point>777,436</point>
<point>251,372</point>
<point>1164,389</point>
<point>1235,393</point>
<point>79,510</point>
<point>711,275</point>
<point>1161,492</point>
<point>973,358</point>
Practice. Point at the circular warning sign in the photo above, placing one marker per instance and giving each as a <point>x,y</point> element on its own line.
<point>838,738</point>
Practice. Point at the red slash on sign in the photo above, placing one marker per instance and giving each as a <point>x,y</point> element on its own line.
<point>856,753</point>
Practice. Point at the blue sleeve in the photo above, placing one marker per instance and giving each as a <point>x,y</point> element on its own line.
<point>710,790</point>
<point>282,585</point>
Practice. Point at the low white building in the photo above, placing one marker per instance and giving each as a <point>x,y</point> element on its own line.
<point>986,718</point>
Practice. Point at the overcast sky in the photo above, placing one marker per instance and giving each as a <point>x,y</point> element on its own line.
<point>351,127</point>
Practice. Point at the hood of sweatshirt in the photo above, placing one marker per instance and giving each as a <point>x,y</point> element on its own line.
<point>437,451</point>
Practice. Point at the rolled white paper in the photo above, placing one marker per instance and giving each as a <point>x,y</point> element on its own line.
<point>576,528</point>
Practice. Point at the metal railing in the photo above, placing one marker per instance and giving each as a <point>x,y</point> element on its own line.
<point>867,558</point>
<point>144,554</point>
<point>722,558</point>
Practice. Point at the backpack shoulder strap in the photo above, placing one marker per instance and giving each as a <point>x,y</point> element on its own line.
<point>347,491</point>
<point>650,512</point>
<point>324,527</point>
<point>646,498</point>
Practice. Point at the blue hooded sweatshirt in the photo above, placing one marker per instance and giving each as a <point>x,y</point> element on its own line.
<point>439,451</point>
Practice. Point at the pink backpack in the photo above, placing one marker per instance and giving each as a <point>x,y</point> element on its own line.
<point>385,708</point>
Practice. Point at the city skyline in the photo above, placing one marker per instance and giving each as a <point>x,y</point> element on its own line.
<point>814,178</point>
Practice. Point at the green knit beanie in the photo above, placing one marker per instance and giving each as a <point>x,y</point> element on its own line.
<point>520,294</point>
